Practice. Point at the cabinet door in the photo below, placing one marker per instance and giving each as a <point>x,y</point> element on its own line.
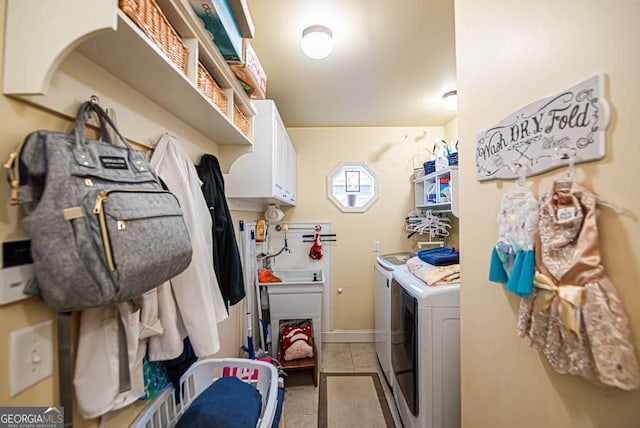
<point>280,160</point>
<point>290,179</point>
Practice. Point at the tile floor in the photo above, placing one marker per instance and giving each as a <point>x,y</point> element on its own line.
<point>301,398</point>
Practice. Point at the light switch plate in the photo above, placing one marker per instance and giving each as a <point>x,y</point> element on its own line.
<point>30,356</point>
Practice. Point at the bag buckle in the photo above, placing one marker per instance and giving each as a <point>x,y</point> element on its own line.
<point>12,157</point>
<point>13,177</point>
<point>14,192</point>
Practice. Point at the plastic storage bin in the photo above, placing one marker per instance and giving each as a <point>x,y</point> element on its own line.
<point>429,167</point>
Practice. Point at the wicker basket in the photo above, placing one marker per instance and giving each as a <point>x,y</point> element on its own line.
<point>148,16</point>
<point>240,120</point>
<point>210,89</point>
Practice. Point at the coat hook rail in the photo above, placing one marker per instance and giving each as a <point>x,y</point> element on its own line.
<point>316,228</point>
<point>325,237</point>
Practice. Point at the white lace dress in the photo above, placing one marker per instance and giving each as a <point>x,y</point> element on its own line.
<point>512,259</point>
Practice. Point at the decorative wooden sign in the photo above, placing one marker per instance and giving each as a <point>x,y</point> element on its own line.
<point>546,134</point>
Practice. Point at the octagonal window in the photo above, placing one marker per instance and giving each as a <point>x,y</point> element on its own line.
<point>352,186</point>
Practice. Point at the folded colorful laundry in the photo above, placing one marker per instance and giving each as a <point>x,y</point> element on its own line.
<point>434,275</point>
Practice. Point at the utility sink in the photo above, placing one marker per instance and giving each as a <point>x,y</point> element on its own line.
<point>298,296</point>
<point>297,277</point>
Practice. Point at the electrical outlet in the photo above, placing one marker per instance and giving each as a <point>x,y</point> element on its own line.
<point>376,246</point>
<point>30,356</point>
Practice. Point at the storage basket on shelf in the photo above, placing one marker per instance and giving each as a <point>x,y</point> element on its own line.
<point>240,120</point>
<point>163,411</point>
<point>210,89</point>
<point>429,166</point>
<point>453,158</point>
<point>147,15</point>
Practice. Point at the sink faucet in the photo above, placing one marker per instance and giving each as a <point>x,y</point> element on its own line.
<point>266,258</point>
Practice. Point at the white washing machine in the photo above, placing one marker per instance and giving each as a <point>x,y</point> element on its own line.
<point>383,273</point>
<point>425,351</point>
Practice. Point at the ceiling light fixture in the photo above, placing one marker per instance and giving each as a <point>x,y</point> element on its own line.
<point>450,100</point>
<point>317,41</point>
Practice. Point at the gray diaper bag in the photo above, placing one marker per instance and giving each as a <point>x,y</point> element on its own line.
<point>102,227</point>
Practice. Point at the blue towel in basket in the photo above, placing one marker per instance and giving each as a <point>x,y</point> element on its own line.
<point>440,256</point>
<point>227,403</point>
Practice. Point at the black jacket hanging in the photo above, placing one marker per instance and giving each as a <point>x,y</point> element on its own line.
<point>226,257</point>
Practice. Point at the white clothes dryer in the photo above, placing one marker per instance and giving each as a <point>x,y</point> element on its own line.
<point>383,274</point>
<point>425,351</point>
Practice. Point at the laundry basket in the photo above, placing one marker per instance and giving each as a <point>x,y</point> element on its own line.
<point>164,412</point>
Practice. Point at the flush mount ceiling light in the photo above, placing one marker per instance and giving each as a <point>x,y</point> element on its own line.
<point>317,41</point>
<point>450,100</point>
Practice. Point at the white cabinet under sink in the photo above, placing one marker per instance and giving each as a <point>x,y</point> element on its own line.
<point>268,174</point>
<point>298,296</point>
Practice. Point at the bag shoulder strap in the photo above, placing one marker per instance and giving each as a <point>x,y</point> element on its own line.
<point>65,375</point>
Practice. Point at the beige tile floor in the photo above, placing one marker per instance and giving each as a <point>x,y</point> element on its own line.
<point>301,398</point>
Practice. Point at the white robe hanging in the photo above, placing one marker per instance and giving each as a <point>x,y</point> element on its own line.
<point>196,291</point>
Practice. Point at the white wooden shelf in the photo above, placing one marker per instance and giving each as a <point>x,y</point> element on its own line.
<point>37,46</point>
<point>437,205</point>
<point>430,184</point>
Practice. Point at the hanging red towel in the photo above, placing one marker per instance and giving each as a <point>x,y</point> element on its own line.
<point>316,249</point>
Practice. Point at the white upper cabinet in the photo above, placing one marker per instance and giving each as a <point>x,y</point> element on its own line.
<point>60,52</point>
<point>268,174</point>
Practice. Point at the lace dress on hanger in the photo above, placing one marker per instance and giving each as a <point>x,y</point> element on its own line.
<point>574,316</point>
<point>512,259</point>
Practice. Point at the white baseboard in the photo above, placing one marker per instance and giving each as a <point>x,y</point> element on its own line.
<point>348,336</point>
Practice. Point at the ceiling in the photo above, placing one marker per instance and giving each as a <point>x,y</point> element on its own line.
<point>391,63</point>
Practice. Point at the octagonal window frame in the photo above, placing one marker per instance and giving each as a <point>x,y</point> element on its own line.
<point>359,176</point>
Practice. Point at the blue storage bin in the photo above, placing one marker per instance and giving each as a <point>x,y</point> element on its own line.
<point>429,166</point>
<point>453,158</point>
